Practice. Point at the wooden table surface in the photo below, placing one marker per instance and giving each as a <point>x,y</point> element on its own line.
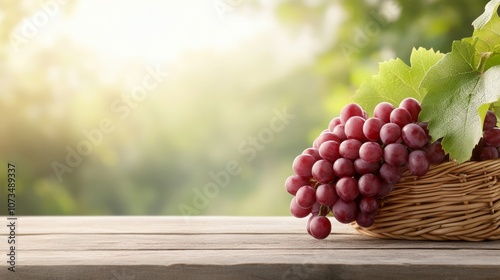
<point>135,247</point>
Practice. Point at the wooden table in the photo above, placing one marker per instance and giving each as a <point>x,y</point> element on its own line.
<point>133,248</point>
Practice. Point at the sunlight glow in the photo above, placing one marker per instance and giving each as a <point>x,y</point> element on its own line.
<point>157,30</point>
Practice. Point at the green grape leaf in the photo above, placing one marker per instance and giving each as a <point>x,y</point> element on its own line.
<point>396,80</point>
<point>486,36</point>
<point>490,10</point>
<point>455,101</point>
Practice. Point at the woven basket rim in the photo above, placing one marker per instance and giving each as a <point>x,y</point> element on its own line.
<point>453,201</point>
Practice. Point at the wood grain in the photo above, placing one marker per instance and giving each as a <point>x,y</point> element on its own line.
<point>133,248</point>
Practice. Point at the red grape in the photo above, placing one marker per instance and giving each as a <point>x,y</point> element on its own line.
<point>383,111</point>
<point>326,195</point>
<point>305,197</point>
<point>350,149</point>
<point>488,153</point>
<point>492,137</point>
<point>418,164</point>
<point>345,211</point>
<point>414,136</point>
<point>365,220</point>
<point>369,185</point>
<point>395,154</point>
<point>302,165</point>
<point>434,152</point>
<point>413,106</point>
<point>390,133</point>
<point>294,182</point>
<point>370,152</point>
<point>322,171</point>
<point>298,211</point>
<point>343,167</point>
<point>354,128</point>
<point>368,205</point>
<point>400,116</point>
<point>330,150</point>
<point>390,174</point>
<point>490,120</point>
<point>347,188</point>
<point>349,111</point>
<point>320,227</point>
<point>371,128</point>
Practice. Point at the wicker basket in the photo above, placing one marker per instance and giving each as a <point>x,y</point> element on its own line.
<point>451,202</point>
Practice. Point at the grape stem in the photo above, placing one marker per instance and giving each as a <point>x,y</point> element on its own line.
<point>482,61</point>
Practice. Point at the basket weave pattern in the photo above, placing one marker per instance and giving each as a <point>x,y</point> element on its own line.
<point>451,202</point>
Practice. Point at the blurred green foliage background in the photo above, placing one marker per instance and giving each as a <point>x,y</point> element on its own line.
<point>215,107</point>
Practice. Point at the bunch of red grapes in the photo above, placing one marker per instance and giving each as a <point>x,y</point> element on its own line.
<point>358,159</point>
